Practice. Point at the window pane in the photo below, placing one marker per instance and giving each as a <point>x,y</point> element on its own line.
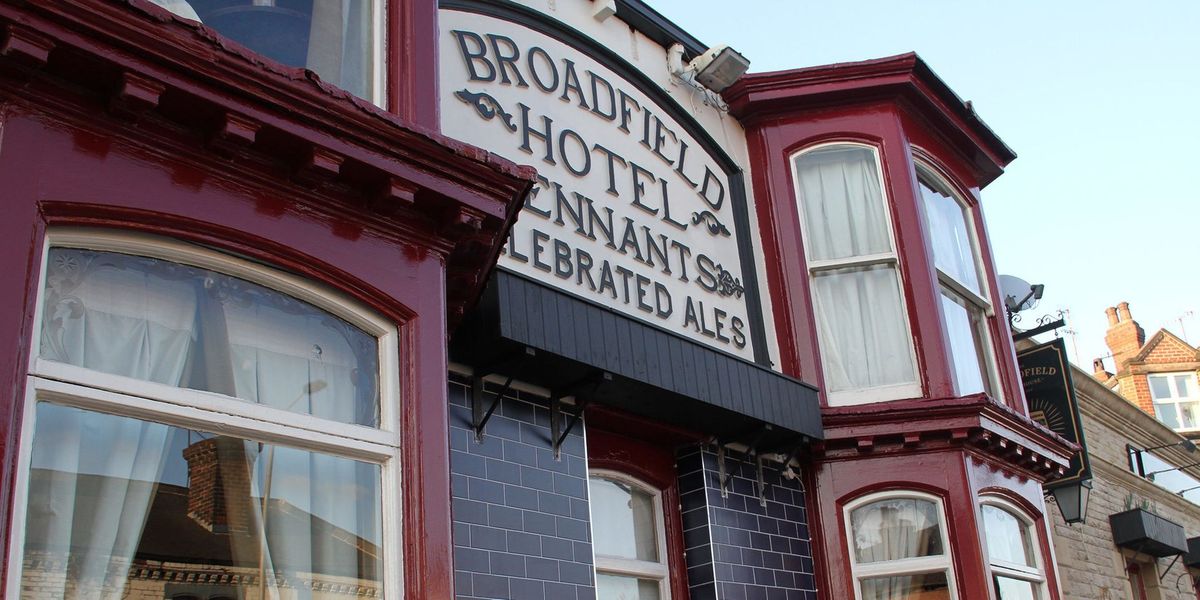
<point>334,38</point>
<point>1166,413</point>
<point>1008,538</point>
<point>964,327</point>
<point>1183,385</point>
<point>190,327</point>
<point>125,505</point>
<point>1160,387</point>
<point>895,529</point>
<point>617,587</point>
<point>1190,412</point>
<point>1015,589</point>
<point>925,586</point>
<point>861,327</point>
<point>952,251</point>
<point>842,203</point>
<point>623,518</point>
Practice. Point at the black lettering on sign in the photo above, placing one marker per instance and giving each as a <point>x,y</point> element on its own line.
<point>476,56</point>
<point>548,69</point>
<point>539,249</point>
<point>546,136</point>
<point>609,114</point>
<point>506,61</point>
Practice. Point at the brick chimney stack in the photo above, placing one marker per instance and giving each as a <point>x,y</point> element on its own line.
<point>1099,372</point>
<point>219,484</point>
<point>1124,337</point>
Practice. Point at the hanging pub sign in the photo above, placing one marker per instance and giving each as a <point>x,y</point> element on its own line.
<point>1046,376</point>
<point>636,208</point>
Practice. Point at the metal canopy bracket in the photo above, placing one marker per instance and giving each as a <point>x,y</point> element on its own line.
<point>722,474</point>
<point>1168,569</point>
<point>558,434</point>
<point>480,415</point>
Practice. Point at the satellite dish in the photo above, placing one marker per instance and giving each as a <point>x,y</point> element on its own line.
<point>1019,294</point>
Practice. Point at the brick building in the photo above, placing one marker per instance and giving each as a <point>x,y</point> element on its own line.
<point>1091,565</point>
<point>1158,375</point>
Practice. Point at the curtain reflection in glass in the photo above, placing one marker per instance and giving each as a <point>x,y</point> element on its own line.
<point>895,529</point>
<point>117,504</point>
<point>926,586</point>
<point>190,327</point>
<point>1008,538</point>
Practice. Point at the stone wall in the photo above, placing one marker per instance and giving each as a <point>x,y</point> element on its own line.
<point>1090,566</point>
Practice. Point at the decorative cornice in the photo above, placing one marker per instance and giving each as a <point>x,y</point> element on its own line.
<point>776,94</point>
<point>973,423</point>
<point>143,63</point>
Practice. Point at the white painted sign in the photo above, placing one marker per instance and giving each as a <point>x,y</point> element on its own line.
<point>629,211</point>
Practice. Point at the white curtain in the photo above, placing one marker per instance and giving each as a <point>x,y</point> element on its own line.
<point>340,46</point>
<point>860,321</point>
<point>842,203</point>
<point>182,326</point>
<point>894,530</point>
<point>947,224</point>
<point>95,474</point>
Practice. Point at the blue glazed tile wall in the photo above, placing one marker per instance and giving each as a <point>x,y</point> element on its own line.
<point>736,548</point>
<point>520,516</point>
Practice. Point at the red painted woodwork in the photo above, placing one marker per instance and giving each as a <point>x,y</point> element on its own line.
<point>412,88</point>
<point>889,103</point>
<point>956,448</point>
<point>119,115</point>
<point>644,449</point>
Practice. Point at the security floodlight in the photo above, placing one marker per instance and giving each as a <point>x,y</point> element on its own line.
<point>719,67</point>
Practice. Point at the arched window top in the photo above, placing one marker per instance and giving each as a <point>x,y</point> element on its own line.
<point>896,527</point>
<point>627,507</point>
<point>898,546</point>
<point>629,539</point>
<point>950,231</point>
<point>843,207</point>
<point>182,316</point>
<point>1013,555</point>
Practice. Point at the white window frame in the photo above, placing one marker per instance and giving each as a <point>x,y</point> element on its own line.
<point>1174,401</point>
<point>1035,574</point>
<point>892,259</point>
<point>905,566</point>
<point>927,170</point>
<point>79,387</point>
<point>643,569</point>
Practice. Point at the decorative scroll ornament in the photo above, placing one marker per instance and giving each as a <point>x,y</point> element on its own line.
<point>487,106</point>
<point>727,284</point>
<point>709,220</point>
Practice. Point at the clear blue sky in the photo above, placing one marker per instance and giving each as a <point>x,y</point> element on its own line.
<point>1100,101</point>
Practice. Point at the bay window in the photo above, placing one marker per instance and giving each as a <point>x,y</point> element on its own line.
<point>339,40</point>
<point>202,426</point>
<point>1013,557</point>
<point>862,323</point>
<point>1176,399</point>
<point>899,548</point>
<point>628,538</point>
<point>964,303</point>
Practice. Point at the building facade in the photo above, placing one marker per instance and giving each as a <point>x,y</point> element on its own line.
<point>1158,375</point>
<point>286,320</point>
<point>1139,465</point>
